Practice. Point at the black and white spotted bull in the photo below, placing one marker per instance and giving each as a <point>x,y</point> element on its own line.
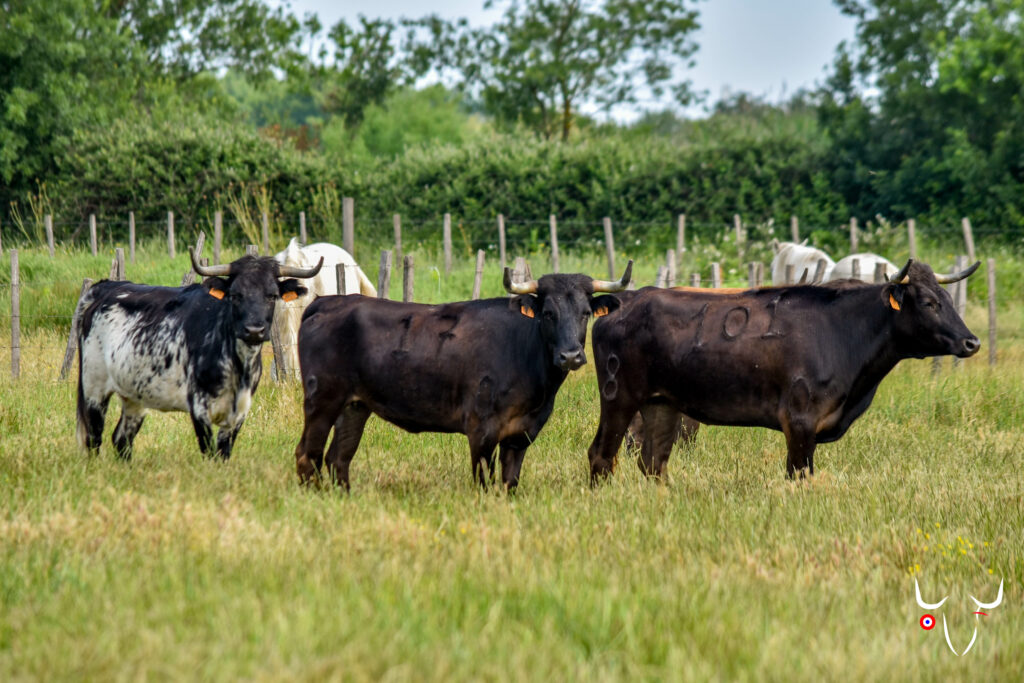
<point>193,349</point>
<point>803,360</point>
<point>488,369</point>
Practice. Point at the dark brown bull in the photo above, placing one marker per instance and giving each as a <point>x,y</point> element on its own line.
<point>488,369</point>
<point>805,360</point>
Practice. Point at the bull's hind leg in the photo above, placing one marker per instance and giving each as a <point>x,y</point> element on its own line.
<point>92,412</point>
<point>348,431</point>
<point>800,443</point>
<point>603,450</point>
<point>511,453</point>
<point>226,439</point>
<point>132,415</point>
<point>661,425</point>
<point>481,456</point>
<point>320,416</point>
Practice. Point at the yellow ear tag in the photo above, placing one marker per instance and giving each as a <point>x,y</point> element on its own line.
<point>528,312</point>
<point>603,310</point>
<point>892,302</point>
<point>289,296</point>
<point>217,293</point>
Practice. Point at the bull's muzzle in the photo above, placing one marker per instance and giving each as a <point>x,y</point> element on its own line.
<point>571,360</point>
<point>969,347</point>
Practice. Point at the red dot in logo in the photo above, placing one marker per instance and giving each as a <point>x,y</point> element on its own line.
<point>927,622</point>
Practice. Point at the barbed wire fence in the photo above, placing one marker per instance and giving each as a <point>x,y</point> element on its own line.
<point>539,239</point>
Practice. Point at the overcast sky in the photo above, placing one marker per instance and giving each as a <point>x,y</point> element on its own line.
<point>765,47</point>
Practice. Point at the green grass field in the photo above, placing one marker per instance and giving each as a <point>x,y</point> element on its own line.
<point>177,567</point>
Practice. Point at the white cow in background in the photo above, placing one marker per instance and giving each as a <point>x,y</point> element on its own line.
<point>867,261</point>
<point>288,315</point>
<point>801,257</point>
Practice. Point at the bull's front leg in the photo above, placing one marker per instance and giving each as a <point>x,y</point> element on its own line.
<point>226,439</point>
<point>481,456</point>
<point>511,453</point>
<point>204,434</point>
<point>800,443</point>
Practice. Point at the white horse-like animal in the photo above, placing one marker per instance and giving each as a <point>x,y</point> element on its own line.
<point>289,314</point>
<point>801,257</point>
<point>866,263</point>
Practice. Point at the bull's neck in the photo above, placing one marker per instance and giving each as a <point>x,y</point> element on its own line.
<point>874,352</point>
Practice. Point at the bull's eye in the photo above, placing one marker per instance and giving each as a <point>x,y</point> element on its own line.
<point>927,622</point>
<point>931,305</point>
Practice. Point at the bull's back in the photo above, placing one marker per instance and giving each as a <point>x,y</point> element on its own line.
<point>422,367</point>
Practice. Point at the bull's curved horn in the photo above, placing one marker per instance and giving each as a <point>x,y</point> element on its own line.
<point>615,285</point>
<point>947,279</point>
<point>901,277</point>
<point>990,605</point>
<point>518,287</point>
<point>927,605</point>
<point>208,271</point>
<point>292,271</point>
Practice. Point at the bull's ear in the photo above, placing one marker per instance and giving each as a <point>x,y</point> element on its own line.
<point>215,287</point>
<point>603,305</point>
<point>290,289</point>
<point>525,304</point>
<point>892,295</point>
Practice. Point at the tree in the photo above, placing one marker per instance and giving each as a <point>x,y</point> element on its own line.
<point>545,59</point>
<point>944,135</point>
<point>68,64</point>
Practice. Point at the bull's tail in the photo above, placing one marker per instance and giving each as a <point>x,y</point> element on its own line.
<point>366,287</point>
<point>82,412</point>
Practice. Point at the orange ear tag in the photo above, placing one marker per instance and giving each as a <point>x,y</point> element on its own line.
<point>289,296</point>
<point>603,310</point>
<point>528,312</point>
<point>217,293</point>
<point>892,302</point>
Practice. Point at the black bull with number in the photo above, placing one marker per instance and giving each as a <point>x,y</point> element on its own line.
<point>804,360</point>
<point>488,369</point>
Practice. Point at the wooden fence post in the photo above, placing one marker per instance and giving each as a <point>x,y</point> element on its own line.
<point>990,265</point>
<point>190,275</point>
<point>396,220</point>
<point>879,272</point>
<point>752,275</point>
<point>15,316</point>
<point>912,237</point>
<point>670,262</point>
<point>521,272</point>
<point>76,322</point>
<point>407,278</point>
<point>447,238</point>
<point>265,228</point>
<point>501,240</point>
<point>738,228</point>
<point>348,225</point>
<point>794,228</point>
<point>218,235</point>
<point>662,278</point>
<point>789,274</point>
<point>131,237</point>
<point>695,279</point>
<point>303,236</point>
<point>681,235</point>
<point>479,275</point>
<point>716,275</point>
<point>384,275</point>
<point>119,271</point>
<point>819,271</point>
<point>760,274</point>
<point>170,234</point>
<point>554,242</point>
<point>339,273</point>
<point>853,235</point>
<point>92,233</point>
<point>968,239</point>
<point>251,250</point>
<point>609,245</point>
<point>48,220</point>
<point>280,370</point>
<point>855,269</point>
